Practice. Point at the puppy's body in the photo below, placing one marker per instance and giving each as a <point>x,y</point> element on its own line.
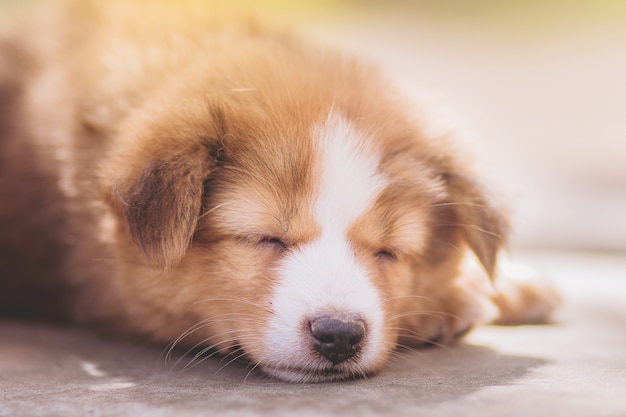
<point>166,176</point>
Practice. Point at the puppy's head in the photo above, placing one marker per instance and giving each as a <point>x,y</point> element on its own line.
<point>307,222</point>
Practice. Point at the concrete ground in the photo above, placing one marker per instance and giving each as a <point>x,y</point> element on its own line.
<point>576,367</point>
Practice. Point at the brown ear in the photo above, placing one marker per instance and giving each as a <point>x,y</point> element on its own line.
<point>160,202</point>
<point>482,225</point>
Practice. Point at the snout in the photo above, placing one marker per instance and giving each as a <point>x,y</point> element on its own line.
<point>328,345</point>
<point>337,338</point>
<point>327,321</point>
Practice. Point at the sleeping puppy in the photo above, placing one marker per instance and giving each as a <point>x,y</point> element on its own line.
<point>169,176</point>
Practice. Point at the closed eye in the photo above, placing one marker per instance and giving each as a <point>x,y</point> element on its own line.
<point>272,241</point>
<point>386,255</point>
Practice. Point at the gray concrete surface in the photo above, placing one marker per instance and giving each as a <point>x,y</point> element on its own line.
<point>576,367</point>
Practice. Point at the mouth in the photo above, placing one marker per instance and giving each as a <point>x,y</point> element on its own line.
<point>305,375</point>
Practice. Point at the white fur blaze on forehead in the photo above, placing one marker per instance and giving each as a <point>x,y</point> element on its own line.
<point>325,275</point>
<point>349,177</point>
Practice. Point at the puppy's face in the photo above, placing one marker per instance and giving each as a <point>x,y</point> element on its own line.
<point>311,240</point>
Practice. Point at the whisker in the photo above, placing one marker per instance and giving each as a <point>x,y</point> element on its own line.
<point>238,300</point>
<point>204,349</point>
<point>422,339</point>
<point>235,341</point>
<point>397,353</point>
<point>217,207</point>
<point>209,347</point>
<point>195,361</point>
<point>234,351</point>
<point>184,334</point>
<point>232,360</point>
<point>469,226</point>
<point>404,297</point>
<point>453,246</point>
<point>445,204</point>
<point>254,366</point>
<point>237,317</point>
<point>427,313</point>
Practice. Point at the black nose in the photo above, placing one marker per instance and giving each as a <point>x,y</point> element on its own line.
<point>337,339</point>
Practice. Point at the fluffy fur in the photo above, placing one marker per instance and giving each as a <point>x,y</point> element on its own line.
<point>169,176</point>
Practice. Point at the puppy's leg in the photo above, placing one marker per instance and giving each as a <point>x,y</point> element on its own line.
<point>517,296</point>
<point>522,297</point>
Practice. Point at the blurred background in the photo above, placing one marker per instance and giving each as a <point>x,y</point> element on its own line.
<point>537,88</point>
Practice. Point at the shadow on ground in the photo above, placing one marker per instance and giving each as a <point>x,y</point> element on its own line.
<point>78,372</point>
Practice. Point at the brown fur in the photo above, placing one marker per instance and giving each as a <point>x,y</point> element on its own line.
<point>143,166</point>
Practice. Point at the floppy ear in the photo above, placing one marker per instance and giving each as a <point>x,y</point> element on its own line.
<point>160,201</point>
<point>481,223</point>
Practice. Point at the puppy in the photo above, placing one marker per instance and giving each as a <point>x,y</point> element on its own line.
<point>170,176</point>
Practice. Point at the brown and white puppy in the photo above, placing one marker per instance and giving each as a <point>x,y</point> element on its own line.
<point>168,176</point>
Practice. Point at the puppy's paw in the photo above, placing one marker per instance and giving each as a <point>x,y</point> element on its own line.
<point>469,304</point>
<point>523,297</point>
